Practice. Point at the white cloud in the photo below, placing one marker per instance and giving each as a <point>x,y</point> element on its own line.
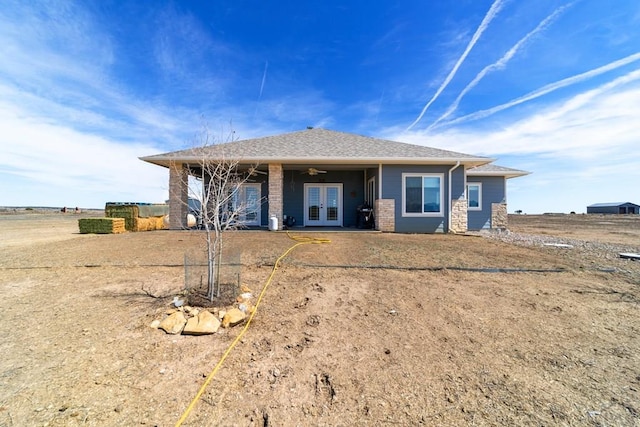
<point>500,64</point>
<point>581,150</point>
<point>551,88</point>
<point>588,125</point>
<point>57,163</point>
<point>493,11</point>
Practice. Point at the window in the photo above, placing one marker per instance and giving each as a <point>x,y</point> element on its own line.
<point>474,196</point>
<point>246,203</point>
<point>422,194</point>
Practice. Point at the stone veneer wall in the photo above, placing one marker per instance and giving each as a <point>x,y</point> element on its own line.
<point>276,192</point>
<point>499,217</point>
<point>384,211</point>
<point>458,216</point>
<point>178,196</point>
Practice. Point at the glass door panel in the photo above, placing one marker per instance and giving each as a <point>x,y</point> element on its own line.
<point>331,203</point>
<point>323,205</point>
<point>313,197</point>
<point>252,198</point>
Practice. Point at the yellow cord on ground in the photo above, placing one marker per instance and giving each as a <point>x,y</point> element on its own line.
<point>301,241</point>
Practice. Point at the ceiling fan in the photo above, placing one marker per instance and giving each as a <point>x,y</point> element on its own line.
<point>313,171</point>
<point>252,171</point>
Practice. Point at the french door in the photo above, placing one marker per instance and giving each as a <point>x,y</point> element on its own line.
<point>247,202</point>
<point>323,205</point>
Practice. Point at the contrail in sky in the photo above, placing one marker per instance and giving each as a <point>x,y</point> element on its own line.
<point>379,106</point>
<point>264,79</point>
<point>547,89</point>
<point>501,63</point>
<point>495,8</point>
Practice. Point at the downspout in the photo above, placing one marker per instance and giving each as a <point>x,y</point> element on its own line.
<point>375,212</point>
<point>449,197</point>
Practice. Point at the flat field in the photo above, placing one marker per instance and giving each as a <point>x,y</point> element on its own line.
<point>370,329</point>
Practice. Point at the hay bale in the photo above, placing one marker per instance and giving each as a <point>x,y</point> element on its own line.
<point>145,217</point>
<point>148,224</point>
<point>129,212</point>
<point>141,224</point>
<point>101,225</point>
<point>160,224</point>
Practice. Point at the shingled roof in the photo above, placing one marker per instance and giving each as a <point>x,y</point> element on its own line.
<point>319,145</point>
<point>496,170</point>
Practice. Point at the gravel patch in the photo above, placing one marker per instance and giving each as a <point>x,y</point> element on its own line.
<point>591,251</point>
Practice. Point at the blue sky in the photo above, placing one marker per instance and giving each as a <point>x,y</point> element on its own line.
<point>552,87</point>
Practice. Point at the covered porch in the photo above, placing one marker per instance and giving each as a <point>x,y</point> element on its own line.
<point>321,196</point>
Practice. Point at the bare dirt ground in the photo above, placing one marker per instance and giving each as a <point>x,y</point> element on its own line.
<point>367,330</point>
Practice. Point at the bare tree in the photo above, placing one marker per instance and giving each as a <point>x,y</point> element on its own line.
<point>216,182</point>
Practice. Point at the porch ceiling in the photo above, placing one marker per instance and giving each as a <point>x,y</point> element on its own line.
<point>327,167</point>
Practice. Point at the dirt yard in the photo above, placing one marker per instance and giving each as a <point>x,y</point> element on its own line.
<point>370,329</point>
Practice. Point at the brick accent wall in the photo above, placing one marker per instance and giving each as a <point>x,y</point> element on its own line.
<point>276,192</point>
<point>178,196</point>
<point>384,211</point>
<point>499,217</point>
<point>458,216</point>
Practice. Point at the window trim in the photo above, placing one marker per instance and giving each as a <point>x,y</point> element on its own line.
<point>371,191</point>
<point>423,214</point>
<point>241,193</point>
<point>479,207</point>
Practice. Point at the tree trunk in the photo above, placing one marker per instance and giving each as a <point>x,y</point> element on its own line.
<point>219,258</point>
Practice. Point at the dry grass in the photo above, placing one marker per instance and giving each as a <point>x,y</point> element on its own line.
<point>338,340</point>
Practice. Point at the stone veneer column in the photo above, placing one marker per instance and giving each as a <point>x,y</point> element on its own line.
<point>459,216</point>
<point>276,194</point>
<point>499,217</point>
<point>385,217</point>
<point>178,196</point>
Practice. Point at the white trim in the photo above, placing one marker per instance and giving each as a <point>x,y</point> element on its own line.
<point>323,221</point>
<point>404,192</point>
<point>370,194</point>
<point>474,208</point>
<point>242,196</point>
<point>163,160</point>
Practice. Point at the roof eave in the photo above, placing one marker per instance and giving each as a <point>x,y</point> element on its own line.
<point>467,161</point>
<point>506,174</point>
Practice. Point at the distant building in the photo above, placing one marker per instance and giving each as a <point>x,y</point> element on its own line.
<point>614,208</point>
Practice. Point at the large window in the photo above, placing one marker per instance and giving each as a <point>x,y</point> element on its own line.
<point>474,196</point>
<point>422,194</point>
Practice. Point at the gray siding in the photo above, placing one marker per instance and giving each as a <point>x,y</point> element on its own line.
<point>392,189</point>
<point>493,191</point>
<point>457,182</point>
<point>603,209</point>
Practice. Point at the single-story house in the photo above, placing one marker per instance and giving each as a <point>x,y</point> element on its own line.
<point>613,208</point>
<point>322,177</point>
